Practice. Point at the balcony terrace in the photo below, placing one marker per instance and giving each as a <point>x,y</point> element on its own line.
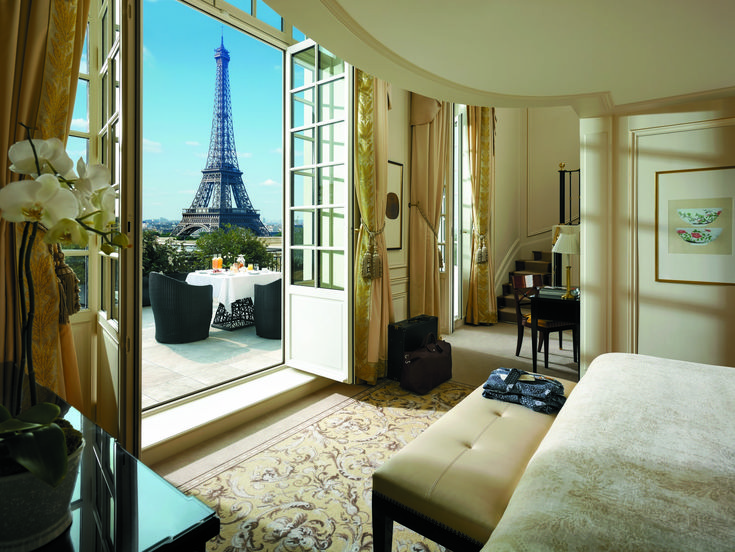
<point>171,371</point>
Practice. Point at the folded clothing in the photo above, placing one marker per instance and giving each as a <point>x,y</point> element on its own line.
<point>534,391</point>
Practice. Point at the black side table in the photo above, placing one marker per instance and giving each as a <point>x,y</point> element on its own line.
<point>121,504</point>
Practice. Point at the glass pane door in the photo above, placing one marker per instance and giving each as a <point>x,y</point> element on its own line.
<point>318,244</point>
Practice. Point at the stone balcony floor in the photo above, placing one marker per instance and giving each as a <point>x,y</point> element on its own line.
<point>171,371</point>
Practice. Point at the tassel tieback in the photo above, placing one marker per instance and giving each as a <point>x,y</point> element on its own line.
<point>68,287</point>
<point>371,264</point>
<point>433,231</point>
<point>481,253</point>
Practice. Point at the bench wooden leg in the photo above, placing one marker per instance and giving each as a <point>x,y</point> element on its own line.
<point>382,526</point>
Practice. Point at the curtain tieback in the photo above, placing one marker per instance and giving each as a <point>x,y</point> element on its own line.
<point>481,253</point>
<point>68,286</point>
<point>372,264</point>
<point>433,231</point>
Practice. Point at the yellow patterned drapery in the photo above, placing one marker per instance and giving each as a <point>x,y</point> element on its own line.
<point>42,45</point>
<point>373,299</point>
<point>481,304</point>
<point>430,157</point>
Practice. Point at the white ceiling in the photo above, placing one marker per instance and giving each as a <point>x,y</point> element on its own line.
<point>599,57</point>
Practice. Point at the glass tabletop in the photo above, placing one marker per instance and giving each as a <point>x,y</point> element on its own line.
<point>121,504</point>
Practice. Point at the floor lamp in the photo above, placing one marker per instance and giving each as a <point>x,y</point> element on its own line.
<point>567,242</point>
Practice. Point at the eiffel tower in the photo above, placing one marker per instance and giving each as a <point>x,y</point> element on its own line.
<point>222,177</point>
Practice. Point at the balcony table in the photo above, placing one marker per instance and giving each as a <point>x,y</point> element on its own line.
<point>234,292</point>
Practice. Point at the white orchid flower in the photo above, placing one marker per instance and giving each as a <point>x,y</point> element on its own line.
<point>70,207</point>
<point>91,177</point>
<point>52,158</point>
<point>103,201</point>
<point>67,231</point>
<point>42,200</point>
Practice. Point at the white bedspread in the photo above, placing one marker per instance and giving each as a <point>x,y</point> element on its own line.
<point>641,457</point>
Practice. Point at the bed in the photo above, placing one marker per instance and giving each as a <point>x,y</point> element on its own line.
<point>641,457</point>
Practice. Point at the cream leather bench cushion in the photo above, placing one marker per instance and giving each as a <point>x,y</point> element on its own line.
<point>463,469</point>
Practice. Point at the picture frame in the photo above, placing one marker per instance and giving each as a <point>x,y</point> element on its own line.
<point>394,207</point>
<point>694,226</point>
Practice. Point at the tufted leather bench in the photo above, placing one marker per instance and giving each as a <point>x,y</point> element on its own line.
<point>453,482</point>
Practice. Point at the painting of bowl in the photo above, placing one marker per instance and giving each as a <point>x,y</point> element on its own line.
<point>704,215</point>
<point>698,236</point>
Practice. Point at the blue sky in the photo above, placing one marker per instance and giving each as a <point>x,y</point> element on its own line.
<point>178,100</point>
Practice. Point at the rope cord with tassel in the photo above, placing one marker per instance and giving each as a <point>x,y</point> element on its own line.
<point>481,253</point>
<point>372,264</point>
<point>433,231</point>
<point>68,286</point>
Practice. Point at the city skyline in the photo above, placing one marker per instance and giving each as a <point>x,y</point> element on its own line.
<point>179,73</point>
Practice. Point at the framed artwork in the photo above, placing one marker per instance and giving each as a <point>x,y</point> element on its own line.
<point>393,210</point>
<point>694,226</point>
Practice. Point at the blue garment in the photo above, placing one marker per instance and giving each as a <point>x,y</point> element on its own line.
<point>534,391</point>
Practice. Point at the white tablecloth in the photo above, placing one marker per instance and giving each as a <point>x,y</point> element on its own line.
<point>228,287</point>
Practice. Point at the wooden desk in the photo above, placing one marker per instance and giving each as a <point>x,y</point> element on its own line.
<point>553,308</point>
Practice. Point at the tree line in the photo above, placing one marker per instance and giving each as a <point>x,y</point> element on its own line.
<point>228,242</point>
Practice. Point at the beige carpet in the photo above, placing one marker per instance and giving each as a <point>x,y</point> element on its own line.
<point>309,487</point>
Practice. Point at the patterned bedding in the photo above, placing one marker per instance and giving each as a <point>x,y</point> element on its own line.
<point>641,457</point>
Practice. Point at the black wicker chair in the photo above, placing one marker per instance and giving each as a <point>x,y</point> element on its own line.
<point>182,312</point>
<point>267,300</point>
<point>181,276</point>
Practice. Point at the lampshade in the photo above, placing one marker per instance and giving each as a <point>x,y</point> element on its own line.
<point>568,240</point>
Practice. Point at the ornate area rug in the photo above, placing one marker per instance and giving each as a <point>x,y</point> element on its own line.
<point>309,488</point>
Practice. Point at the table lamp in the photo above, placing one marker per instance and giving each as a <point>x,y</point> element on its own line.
<point>567,242</point>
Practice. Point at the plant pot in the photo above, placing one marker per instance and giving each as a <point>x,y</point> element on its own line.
<point>33,513</point>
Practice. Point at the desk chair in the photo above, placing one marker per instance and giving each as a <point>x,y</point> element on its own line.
<point>524,287</point>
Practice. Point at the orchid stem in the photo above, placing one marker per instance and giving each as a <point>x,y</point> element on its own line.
<point>24,273</point>
<point>33,147</point>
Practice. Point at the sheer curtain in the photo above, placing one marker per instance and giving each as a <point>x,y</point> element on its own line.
<point>430,140</point>
<point>41,44</point>
<point>373,299</point>
<point>482,306</point>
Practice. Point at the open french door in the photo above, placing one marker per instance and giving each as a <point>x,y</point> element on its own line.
<point>318,244</point>
<point>115,37</point>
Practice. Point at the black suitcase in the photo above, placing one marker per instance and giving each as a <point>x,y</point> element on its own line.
<point>406,336</point>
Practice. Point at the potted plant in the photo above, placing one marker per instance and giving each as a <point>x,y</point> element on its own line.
<point>39,459</point>
<point>39,451</point>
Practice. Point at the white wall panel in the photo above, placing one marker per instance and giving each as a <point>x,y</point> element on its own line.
<point>553,138</point>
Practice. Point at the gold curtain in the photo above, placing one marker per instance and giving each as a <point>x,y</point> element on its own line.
<point>430,135</point>
<point>373,299</point>
<point>41,45</point>
<point>482,307</point>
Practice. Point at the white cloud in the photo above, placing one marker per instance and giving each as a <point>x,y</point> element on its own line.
<point>151,146</point>
<point>192,143</point>
<point>270,182</point>
<point>246,155</point>
<point>80,124</point>
<point>278,151</point>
